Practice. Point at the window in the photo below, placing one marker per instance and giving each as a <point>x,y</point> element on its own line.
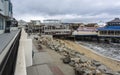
<point>111,32</point>
<point>101,32</point>
<point>117,32</point>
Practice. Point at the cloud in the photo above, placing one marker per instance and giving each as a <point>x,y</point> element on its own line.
<point>67,9</point>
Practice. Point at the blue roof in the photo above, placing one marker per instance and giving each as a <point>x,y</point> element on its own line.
<point>109,28</point>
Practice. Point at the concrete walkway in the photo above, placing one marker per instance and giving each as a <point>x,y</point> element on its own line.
<point>43,64</point>
<point>39,70</point>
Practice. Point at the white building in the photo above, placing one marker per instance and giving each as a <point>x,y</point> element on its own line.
<point>36,22</point>
<point>88,29</point>
<point>55,27</point>
<point>52,21</point>
<point>57,30</point>
<point>22,23</point>
<point>5,14</point>
<point>49,27</point>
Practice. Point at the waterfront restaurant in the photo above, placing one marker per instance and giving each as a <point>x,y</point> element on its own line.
<point>56,28</point>
<point>87,30</point>
<point>112,29</point>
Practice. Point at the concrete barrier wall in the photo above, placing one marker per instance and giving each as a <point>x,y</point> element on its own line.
<point>2,55</point>
<point>24,58</point>
<point>27,45</point>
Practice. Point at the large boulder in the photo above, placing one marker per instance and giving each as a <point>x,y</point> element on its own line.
<point>76,60</point>
<point>72,63</point>
<point>82,71</point>
<point>97,72</point>
<point>102,68</point>
<point>83,59</point>
<point>96,63</point>
<point>66,60</point>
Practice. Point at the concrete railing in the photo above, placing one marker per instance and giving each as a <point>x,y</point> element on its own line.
<point>8,55</point>
<point>24,58</point>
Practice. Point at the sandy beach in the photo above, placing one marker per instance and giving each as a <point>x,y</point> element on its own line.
<point>112,64</point>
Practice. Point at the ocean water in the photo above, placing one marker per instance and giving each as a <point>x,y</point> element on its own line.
<point>109,50</point>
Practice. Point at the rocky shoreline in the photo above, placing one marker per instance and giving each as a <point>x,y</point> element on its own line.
<point>81,64</point>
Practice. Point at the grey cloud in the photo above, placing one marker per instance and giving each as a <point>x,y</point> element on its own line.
<point>64,7</point>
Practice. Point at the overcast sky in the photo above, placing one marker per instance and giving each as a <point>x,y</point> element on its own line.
<point>67,10</point>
